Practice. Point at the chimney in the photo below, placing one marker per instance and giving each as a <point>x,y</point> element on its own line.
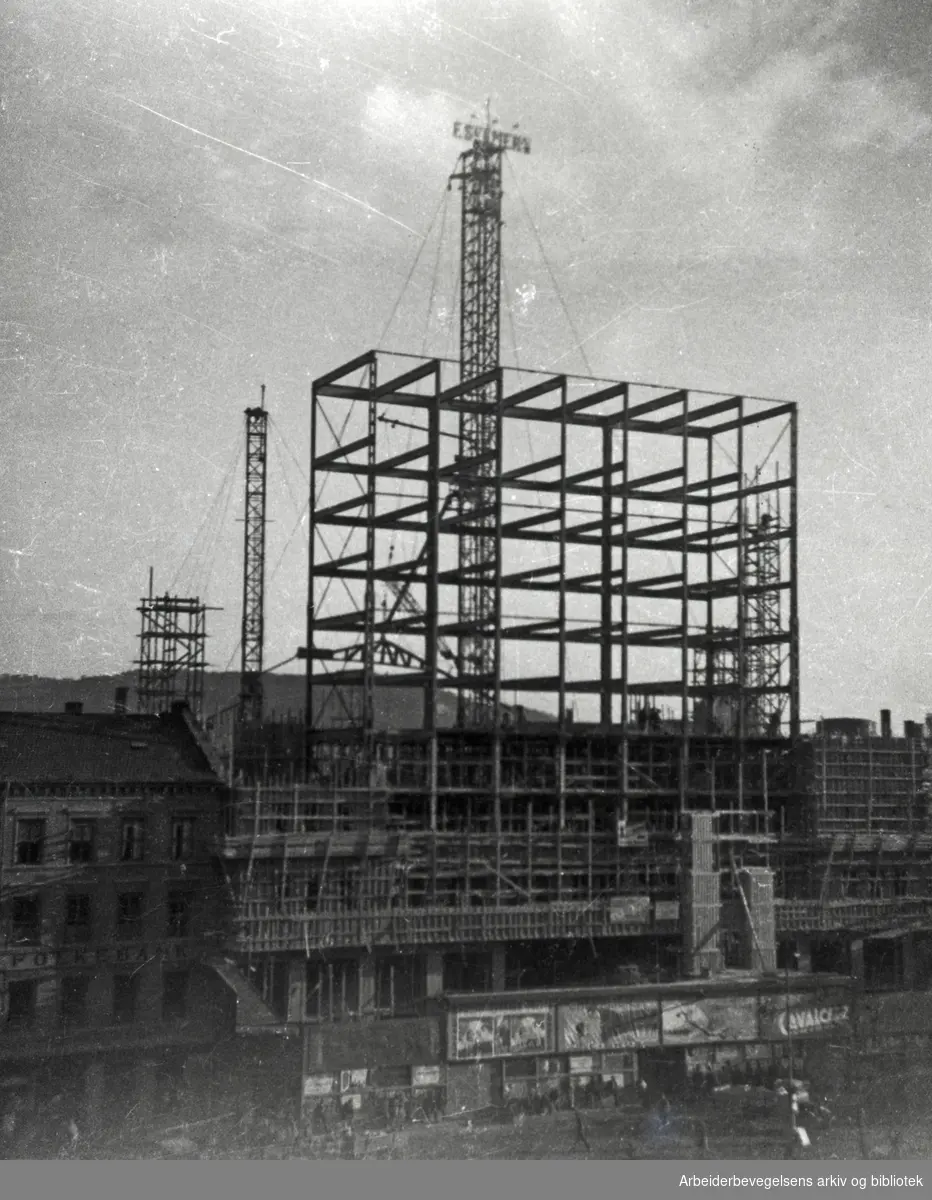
<point>886,726</point>
<point>121,700</point>
<point>912,730</point>
<point>74,708</point>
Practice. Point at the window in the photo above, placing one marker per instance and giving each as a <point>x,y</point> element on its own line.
<point>519,1078</point>
<point>124,998</point>
<point>332,990</point>
<point>133,840</point>
<point>179,914</point>
<point>74,999</point>
<point>622,1067</point>
<point>21,1007</point>
<point>81,842</point>
<point>30,841</point>
<point>465,972</point>
<point>24,912</point>
<point>182,847</point>
<point>129,914</point>
<point>77,918</point>
<point>175,995</point>
<point>399,984</point>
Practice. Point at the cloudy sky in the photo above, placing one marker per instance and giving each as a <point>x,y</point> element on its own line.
<point>202,197</point>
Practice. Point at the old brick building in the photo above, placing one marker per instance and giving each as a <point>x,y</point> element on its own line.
<point>111,911</point>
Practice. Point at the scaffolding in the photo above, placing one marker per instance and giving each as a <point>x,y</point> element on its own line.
<point>864,786</point>
<point>763,616</point>
<point>172,647</point>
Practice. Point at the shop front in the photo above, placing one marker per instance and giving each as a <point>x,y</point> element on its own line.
<point>378,1069</point>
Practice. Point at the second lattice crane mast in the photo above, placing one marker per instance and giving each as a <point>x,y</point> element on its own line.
<point>253,632</point>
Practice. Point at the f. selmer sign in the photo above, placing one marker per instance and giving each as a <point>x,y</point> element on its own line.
<point>492,136</point>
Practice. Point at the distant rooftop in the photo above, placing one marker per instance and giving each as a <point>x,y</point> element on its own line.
<point>100,748</point>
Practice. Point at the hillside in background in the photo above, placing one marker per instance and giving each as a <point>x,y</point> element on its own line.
<point>395,708</point>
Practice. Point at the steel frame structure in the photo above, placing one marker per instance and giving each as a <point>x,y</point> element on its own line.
<point>253,630</point>
<point>657,572</point>
<point>172,648</point>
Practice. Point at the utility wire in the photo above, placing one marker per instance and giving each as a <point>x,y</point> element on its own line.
<point>215,544</point>
<point>209,515</point>
<point>553,278</point>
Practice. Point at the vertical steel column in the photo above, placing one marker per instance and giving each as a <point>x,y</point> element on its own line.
<point>625,471</point>
<point>794,581</point>
<point>495,659</point>
<point>561,600</point>
<point>606,648</point>
<point>368,699</point>
<point>311,595</point>
<point>373,772</point>
<point>431,596</point>
<point>708,662</point>
<point>744,700</point>
<point>684,612</point>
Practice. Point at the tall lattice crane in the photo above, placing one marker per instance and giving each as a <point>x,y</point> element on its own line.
<point>480,177</point>
<point>253,632</point>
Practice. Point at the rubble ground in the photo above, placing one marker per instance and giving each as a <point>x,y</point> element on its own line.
<point>611,1134</point>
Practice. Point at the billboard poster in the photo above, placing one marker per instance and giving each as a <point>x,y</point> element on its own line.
<point>624,909</point>
<point>318,1085</point>
<point>522,1033</point>
<point>425,1076</point>
<point>499,1034</point>
<point>610,1026</point>
<point>709,1019</point>
<point>475,1035</point>
<point>804,1014</point>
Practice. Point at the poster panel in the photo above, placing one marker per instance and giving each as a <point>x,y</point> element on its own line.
<point>318,1085</point>
<point>625,909</point>
<point>610,1026</point>
<point>475,1035</point>
<point>522,1033</point>
<point>425,1076</point>
<point>499,1034</point>
<point>804,1014</point>
<point>709,1019</point>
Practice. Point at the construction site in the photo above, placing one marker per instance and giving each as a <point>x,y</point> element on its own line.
<point>600,848</point>
<point>587,590</point>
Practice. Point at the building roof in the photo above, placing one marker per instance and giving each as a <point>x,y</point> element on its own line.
<point>86,748</point>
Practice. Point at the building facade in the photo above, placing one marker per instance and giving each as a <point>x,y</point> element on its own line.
<point>112,911</point>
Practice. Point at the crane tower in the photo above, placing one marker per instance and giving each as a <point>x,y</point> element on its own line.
<point>253,632</point>
<point>480,178</point>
